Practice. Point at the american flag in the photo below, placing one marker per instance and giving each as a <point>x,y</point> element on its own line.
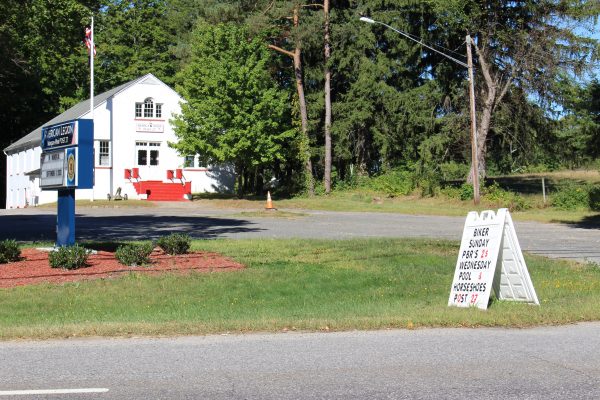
<point>88,39</point>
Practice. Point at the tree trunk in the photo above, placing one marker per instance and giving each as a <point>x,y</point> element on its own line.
<point>303,114</point>
<point>327,177</point>
<point>297,57</point>
<point>483,130</point>
<point>361,154</point>
<point>490,93</point>
<point>240,181</point>
<point>304,120</point>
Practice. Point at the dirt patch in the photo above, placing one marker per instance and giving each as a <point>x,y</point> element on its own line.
<point>34,267</point>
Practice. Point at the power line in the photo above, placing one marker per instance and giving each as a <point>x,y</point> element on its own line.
<point>372,21</point>
<point>415,38</point>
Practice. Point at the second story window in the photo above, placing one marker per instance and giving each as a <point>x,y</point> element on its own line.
<point>148,108</point>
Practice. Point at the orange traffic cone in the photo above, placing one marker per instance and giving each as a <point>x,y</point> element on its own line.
<point>269,205</point>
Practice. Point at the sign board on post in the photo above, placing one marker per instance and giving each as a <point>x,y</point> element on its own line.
<point>490,258</point>
<point>66,164</point>
<point>67,159</point>
<point>60,135</point>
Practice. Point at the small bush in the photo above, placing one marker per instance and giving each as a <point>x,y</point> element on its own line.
<point>9,251</point>
<point>72,257</point>
<point>466,192</point>
<point>505,198</point>
<point>350,183</point>
<point>571,197</point>
<point>594,194</point>
<point>134,254</point>
<point>453,170</point>
<point>175,243</point>
<point>429,185</point>
<point>394,183</point>
<point>463,192</point>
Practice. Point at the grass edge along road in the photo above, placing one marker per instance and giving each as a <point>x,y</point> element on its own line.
<point>294,284</point>
<point>410,205</point>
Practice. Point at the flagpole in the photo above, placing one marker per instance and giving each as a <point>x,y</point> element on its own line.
<point>92,48</point>
<point>92,70</point>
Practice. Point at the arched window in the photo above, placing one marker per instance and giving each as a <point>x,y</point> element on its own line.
<point>148,108</point>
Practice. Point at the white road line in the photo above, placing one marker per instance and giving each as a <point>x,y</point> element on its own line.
<point>51,391</point>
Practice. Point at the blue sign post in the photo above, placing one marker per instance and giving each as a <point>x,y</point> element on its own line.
<point>67,163</point>
<point>65,218</point>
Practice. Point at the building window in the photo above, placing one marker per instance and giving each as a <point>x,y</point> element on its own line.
<point>148,108</point>
<point>104,153</point>
<point>188,162</point>
<point>142,157</point>
<point>145,149</point>
<point>153,157</point>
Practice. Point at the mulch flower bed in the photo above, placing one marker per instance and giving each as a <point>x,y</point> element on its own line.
<point>34,267</point>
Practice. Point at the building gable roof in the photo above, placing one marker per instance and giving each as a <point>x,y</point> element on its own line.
<point>34,138</point>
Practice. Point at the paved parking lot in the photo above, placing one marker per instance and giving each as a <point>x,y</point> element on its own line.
<point>37,224</point>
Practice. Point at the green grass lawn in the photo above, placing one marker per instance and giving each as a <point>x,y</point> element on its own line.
<point>295,285</point>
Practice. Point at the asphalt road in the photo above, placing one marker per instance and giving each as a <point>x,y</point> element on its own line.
<point>579,242</point>
<point>539,363</point>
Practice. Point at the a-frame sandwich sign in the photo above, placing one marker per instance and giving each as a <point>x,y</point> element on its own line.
<point>490,258</point>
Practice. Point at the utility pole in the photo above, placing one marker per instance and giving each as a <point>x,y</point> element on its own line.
<point>474,160</point>
<point>327,175</point>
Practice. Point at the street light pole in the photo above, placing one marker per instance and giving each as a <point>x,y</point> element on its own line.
<point>469,67</point>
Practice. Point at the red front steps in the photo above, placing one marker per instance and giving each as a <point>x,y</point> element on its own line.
<point>161,191</point>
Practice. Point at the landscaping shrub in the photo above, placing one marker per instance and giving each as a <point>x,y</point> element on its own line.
<point>9,251</point>
<point>571,197</point>
<point>72,257</point>
<point>175,243</point>
<point>134,254</point>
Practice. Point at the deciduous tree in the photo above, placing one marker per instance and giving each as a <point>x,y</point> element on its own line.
<point>234,112</point>
<point>523,43</point>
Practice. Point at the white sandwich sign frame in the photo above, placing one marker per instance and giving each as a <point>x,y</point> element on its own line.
<point>490,258</point>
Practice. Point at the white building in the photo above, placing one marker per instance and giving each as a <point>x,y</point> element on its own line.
<point>131,136</point>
